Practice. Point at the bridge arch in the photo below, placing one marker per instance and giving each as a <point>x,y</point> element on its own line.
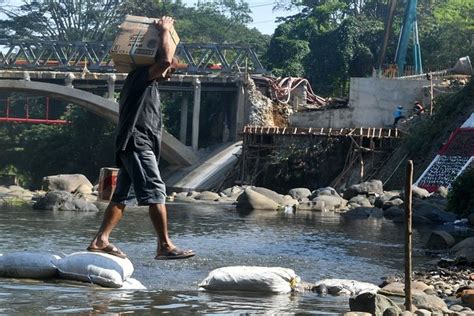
<point>173,150</point>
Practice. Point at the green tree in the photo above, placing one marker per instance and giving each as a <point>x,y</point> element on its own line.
<point>65,20</point>
<point>461,196</point>
<point>446,33</point>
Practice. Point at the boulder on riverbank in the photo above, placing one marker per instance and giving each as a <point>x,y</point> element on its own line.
<point>368,187</point>
<point>464,250</point>
<point>440,240</point>
<point>374,304</point>
<point>64,201</point>
<point>68,182</point>
<point>253,200</point>
<point>331,202</point>
<point>16,196</point>
<point>299,193</point>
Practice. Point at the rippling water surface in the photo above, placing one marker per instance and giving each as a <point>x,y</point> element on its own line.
<point>315,245</point>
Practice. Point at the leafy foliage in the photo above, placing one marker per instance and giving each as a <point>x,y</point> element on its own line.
<point>345,36</point>
<point>447,33</point>
<point>65,20</point>
<point>35,151</point>
<point>461,196</point>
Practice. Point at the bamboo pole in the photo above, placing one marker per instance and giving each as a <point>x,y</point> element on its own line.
<point>408,234</point>
<point>431,94</point>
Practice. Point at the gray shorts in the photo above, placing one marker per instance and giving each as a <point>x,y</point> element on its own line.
<point>139,180</point>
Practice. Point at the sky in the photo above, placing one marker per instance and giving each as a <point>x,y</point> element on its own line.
<point>262,13</point>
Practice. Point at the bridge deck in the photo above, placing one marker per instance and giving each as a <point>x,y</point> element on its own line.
<point>364,132</point>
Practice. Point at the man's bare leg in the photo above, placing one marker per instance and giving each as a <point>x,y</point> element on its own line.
<point>112,216</point>
<point>159,218</point>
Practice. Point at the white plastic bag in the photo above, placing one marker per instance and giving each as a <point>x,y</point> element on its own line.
<point>29,264</point>
<point>98,268</point>
<point>249,278</point>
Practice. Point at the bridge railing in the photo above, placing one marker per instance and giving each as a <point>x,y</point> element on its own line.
<point>75,56</point>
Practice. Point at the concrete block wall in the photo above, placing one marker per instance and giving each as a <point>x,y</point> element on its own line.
<point>375,99</point>
<point>372,102</point>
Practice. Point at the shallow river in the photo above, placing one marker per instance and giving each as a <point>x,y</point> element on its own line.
<point>315,245</point>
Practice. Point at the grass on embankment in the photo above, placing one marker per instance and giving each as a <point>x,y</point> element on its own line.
<point>425,139</point>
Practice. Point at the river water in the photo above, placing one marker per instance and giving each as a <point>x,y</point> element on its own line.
<point>316,245</point>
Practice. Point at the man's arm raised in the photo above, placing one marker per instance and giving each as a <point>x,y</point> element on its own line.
<point>165,51</point>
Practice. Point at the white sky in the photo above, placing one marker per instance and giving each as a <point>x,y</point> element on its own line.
<point>262,13</point>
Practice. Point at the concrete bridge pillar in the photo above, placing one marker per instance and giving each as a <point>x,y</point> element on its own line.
<point>111,87</point>
<point>26,76</point>
<point>69,79</point>
<point>299,97</point>
<point>183,127</point>
<point>196,111</point>
<point>240,109</point>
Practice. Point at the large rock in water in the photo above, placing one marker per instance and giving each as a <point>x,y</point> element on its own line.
<point>66,182</point>
<point>464,249</point>
<point>432,212</point>
<point>233,192</point>
<point>372,186</point>
<point>272,195</point>
<point>331,202</point>
<point>299,193</point>
<point>440,239</point>
<point>385,197</point>
<point>207,196</point>
<point>360,200</point>
<point>324,191</point>
<point>372,303</point>
<point>255,201</point>
<point>63,201</point>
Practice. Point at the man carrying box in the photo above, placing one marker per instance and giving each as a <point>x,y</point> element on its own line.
<point>138,145</point>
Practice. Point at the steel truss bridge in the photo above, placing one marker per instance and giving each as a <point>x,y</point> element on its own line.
<point>76,56</point>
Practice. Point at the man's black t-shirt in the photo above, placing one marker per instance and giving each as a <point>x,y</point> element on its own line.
<point>139,126</point>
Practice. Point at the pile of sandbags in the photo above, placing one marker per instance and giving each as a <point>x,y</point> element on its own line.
<point>97,268</point>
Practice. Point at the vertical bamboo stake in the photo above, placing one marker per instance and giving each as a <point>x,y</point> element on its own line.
<point>431,94</point>
<point>408,234</point>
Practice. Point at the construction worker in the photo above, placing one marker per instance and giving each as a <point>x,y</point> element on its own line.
<point>418,109</point>
<point>398,114</point>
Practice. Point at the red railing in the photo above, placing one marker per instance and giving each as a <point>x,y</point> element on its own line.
<point>43,118</point>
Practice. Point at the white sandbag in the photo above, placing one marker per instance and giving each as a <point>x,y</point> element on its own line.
<point>29,264</point>
<point>98,268</point>
<point>132,284</point>
<point>347,287</point>
<point>254,279</point>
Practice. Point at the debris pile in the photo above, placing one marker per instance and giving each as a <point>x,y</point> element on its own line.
<point>283,90</point>
<point>262,108</point>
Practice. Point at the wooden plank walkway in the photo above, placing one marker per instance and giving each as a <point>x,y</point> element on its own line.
<point>364,132</point>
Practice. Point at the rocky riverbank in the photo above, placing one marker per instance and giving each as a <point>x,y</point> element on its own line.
<point>445,288</point>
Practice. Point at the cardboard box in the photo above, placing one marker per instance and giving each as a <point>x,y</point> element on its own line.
<point>137,43</point>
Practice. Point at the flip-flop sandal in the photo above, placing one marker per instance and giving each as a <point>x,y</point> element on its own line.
<point>175,254</point>
<point>109,249</point>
